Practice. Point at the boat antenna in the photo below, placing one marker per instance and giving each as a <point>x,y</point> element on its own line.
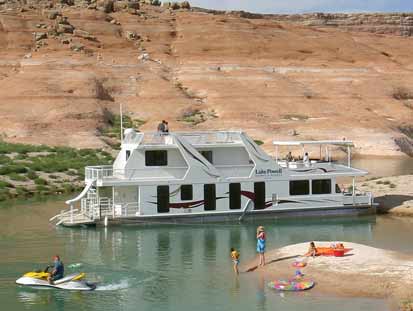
<point>121,123</point>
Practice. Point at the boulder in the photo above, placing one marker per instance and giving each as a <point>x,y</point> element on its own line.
<point>77,47</point>
<point>120,6</point>
<point>62,20</point>
<point>64,28</point>
<point>175,6</point>
<point>132,11</point>
<point>53,14</point>
<point>131,36</point>
<point>40,36</point>
<point>66,40</point>
<point>185,5</point>
<point>134,5</point>
<point>84,34</point>
<point>67,2</point>
<point>106,5</point>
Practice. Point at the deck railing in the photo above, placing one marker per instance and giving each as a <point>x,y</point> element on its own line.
<point>107,172</point>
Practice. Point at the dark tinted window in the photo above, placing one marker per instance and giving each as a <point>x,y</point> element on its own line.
<point>299,187</point>
<point>163,199</point>
<point>210,197</point>
<point>207,154</point>
<point>321,186</point>
<point>186,192</point>
<point>234,196</point>
<point>127,154</point>
<point>156,158</point>
<point>259,191</point>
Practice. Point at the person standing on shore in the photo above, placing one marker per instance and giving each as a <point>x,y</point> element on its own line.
<point>261,239</point>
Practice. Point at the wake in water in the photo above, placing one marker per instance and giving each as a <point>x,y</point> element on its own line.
<point>123,284</point>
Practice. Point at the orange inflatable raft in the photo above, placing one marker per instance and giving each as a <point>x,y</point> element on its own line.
<point>330,251</point>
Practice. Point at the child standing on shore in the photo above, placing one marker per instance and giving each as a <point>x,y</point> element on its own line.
<point>261,239</point>
<point>235,259</point>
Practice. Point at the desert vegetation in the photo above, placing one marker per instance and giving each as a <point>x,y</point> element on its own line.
<point>31,171</point>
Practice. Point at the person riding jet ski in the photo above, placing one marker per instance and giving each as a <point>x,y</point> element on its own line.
<point>58,270</point>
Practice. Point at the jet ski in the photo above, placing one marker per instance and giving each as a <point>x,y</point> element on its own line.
<point>71,282</point>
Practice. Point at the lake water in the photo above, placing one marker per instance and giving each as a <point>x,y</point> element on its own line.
<point>182,267</point>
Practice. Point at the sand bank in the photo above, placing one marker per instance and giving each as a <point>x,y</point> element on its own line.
<point>364,272</point>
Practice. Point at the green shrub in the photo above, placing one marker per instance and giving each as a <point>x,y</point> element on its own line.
<point>258,142</point>
<point>40,181</point>
<point>14,168</point>
<point>32,175</point>
<point>4,159</point>
<point>17,177</point>
<point>42,188</point>
<point>5,184</point>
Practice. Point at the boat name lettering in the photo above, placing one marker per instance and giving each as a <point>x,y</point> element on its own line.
<point>268,172</point>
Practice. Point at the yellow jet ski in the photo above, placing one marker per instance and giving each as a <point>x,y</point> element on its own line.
<point>71,282</point>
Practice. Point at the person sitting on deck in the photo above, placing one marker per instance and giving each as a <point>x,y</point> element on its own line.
<point>312,251</point>
<point>161,127</point>
<point>58,270</point>
<point>289,157</point>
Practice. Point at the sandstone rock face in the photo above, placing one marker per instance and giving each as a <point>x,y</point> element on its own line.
<point>275,79</point>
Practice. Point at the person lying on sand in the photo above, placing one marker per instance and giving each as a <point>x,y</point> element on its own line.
<point>312,251</point>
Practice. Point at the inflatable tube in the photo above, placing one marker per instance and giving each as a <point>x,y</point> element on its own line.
<point>299,264</point>
<point>292,286</point>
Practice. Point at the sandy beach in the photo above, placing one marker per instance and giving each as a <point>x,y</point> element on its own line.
<point>363,272</point>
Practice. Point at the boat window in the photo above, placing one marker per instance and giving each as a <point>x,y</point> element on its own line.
<point>321,186</point>
<point>299,187</point>
<point>163,199</point>
<point>235,196</point>
<point>209,197</point>
<point>207,154</point>
<point>186,192</point>
<point>259,191</point>
<point>127,154</point>
<point>156,158</point>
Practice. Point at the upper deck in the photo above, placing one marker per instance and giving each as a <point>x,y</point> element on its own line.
<point>219,153</point>
<point>209,157</point>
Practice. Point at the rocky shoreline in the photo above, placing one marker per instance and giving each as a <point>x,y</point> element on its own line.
<point>394,194</point>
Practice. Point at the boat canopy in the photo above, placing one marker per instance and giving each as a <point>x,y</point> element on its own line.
<point>345,143</point>
<point>301,143</point>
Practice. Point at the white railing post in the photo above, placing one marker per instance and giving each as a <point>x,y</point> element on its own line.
<point>71,213</point>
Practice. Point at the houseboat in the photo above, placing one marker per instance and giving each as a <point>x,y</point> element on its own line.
<point>212,176</point>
